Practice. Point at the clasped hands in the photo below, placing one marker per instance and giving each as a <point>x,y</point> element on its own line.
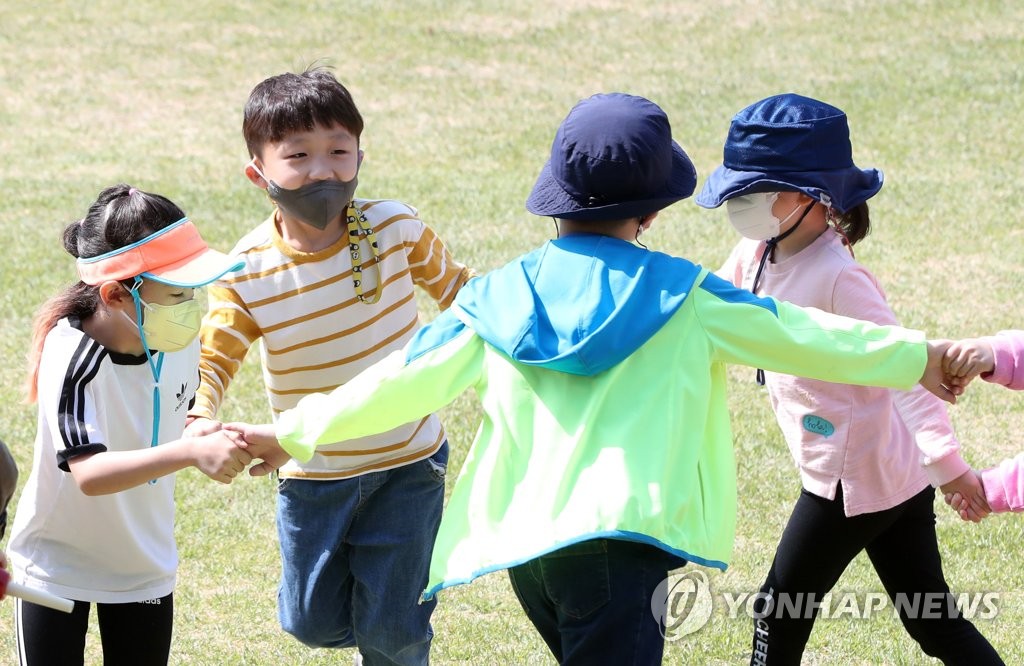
<point>952,365</point>
<point>223,462</point>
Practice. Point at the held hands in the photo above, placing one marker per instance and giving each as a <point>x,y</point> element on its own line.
<point>220,455</point>
<point>261,442</point>
<point>966,495</point>
<point>951,367</point>
<point>966,359</point>
<point>222,451</point>
<point>953,364</point>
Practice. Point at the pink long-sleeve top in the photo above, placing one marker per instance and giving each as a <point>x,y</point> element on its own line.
<point>883,446</point>
<point>1004,484</point>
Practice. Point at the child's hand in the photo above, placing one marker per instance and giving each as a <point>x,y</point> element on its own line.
<point>966,495</point>
<point>197,426</point>
<point>934,379</point>
<point>221,455</point>
<point>3,560</point>
<point>261,442</point>
<point>966,359</point>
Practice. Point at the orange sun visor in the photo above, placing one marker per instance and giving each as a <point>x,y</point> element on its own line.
<point>176,255</point>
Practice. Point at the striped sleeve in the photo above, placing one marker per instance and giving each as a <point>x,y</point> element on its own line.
<point>76,410</point>
<point>228,332</point>
<point>434,269</point>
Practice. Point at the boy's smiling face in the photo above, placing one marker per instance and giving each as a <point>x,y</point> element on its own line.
<point>324,153</point>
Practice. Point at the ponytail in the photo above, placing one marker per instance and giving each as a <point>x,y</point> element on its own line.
<point>854,224</point>
<point>79,300</point>
<point>120,216</point>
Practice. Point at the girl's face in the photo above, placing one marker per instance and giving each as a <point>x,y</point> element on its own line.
<point>119,330</point>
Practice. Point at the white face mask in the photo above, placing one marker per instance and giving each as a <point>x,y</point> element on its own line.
<point>751,215</point>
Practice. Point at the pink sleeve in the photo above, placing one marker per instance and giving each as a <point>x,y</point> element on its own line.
<point>1004,485</point>
<point>732,269</point>
<point>1008,348</point>
<point>857,294</point>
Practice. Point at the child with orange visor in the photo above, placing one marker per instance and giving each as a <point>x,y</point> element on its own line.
<point>114,367</point>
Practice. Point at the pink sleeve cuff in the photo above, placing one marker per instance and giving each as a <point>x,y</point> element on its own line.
<point>945,469</point>
<point>1008,351</point>
<point>995,493</point>
<point>1004,485</point>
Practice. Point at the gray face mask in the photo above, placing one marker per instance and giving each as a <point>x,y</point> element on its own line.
<point>315,203</point>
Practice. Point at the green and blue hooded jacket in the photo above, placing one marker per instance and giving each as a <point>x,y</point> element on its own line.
<point>601,372</point>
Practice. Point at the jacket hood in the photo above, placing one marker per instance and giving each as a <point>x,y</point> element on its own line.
<point>579,304</point>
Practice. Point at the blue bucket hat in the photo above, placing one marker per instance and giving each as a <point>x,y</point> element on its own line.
<point>613,158</point>
<point>790,143</point>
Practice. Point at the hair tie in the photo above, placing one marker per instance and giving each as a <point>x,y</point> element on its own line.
<point>131,191</point>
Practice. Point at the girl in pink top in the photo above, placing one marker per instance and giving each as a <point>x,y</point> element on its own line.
<point>868,457</point>
<point>998,359</point>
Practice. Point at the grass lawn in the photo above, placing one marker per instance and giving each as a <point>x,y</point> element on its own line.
<point>461,100</point>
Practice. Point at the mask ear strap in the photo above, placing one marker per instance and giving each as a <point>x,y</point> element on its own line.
<point>155,367</point>
<point>252,163</point>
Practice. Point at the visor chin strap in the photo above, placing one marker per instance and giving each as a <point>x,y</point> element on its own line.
<point>769,255</point>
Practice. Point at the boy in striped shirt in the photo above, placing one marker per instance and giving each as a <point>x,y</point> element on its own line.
<point>327,289</point>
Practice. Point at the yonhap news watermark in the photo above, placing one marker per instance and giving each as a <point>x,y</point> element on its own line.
<point>684,602</point>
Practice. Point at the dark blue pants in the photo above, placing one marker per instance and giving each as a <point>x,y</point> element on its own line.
<point>591,602</point>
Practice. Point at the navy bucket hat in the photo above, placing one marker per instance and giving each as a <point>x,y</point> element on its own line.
<point>613,158</point>
<point>790,143</point>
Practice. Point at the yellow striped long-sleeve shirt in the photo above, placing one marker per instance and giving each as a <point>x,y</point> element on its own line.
<point>314,332</point>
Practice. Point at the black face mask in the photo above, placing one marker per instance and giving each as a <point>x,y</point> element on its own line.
<point>315,203</point>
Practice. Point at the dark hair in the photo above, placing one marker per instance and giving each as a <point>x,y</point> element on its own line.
<point>854,224</point>
<point>289,103</point>
<point>120,216</point>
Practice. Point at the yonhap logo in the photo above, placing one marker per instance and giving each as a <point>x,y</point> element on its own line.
<point>682,604</point>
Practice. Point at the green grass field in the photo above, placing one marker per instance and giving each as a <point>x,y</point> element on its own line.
<point>461,100</point>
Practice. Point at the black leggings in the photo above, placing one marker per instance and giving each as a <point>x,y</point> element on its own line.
<point>820,541</point>
<point>136,634</point>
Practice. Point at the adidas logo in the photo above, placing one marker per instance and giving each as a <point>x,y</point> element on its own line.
<point>182,396</point>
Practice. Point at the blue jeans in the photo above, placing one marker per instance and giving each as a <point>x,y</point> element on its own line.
<point>354,556</point>
<point>591,601</point>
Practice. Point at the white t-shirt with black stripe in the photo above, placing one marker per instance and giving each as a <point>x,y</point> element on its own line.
<point>116,548</point>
